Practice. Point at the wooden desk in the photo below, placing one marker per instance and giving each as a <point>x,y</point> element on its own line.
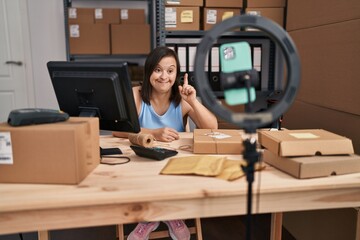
<point>136,192</point>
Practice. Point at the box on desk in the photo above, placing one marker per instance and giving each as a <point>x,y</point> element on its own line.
<point>56,153</point>
<point>305,142</point>
<point>218,141</point>
<point>314,166</point>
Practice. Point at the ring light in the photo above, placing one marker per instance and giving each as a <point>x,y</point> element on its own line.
<point>245,120</point>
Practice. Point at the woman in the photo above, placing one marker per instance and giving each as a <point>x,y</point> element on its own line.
<point>163,107</point>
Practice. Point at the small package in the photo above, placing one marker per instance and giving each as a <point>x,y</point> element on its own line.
<point>218,141</point>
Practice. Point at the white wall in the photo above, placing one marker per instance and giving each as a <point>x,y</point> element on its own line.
<point>47,42</point>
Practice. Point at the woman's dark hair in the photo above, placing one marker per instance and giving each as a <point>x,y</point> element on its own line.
<point>151,63</point>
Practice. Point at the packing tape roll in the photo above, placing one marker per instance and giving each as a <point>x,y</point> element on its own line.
<point>141,139</point>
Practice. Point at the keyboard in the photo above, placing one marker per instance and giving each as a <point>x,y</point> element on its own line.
<point>156,153</point>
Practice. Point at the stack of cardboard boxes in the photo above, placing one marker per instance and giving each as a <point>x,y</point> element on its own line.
<point>108,31</point>
<point>195,15</point>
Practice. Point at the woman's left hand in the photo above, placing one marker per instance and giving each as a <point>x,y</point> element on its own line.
<point>187,92</point>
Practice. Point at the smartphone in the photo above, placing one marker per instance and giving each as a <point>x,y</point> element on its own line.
<point>235,57</point>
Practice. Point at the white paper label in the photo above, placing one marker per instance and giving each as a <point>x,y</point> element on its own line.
<point>74,31</point>
<point>218,135</point>
<point>304,135</point>
<point>72,13</point>
<point>6,155</point>
<point>99,13</point>
<point>211,16</point>
<point>170,17</point>
<point>124,14</point>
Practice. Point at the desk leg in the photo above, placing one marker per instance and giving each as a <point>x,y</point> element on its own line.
<point>357,234</point>
<point>43,235</point>
<point>276,226</point>
<point>120,231</point>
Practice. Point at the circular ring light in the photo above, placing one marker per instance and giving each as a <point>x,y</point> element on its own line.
<point>248,121</point>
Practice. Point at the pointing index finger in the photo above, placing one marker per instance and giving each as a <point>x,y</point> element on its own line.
<point>186,82</point>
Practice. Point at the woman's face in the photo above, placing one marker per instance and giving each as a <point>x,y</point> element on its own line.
<point>164,75</point>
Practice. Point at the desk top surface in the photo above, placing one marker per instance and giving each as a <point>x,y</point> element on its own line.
<point>139,181</point>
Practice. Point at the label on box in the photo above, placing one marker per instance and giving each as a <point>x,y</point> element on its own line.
<point>173,2</point>
<point>217,135</point>
<point>170,17</point>
<point>99,13</point>
<point>304,135</point>
<point>6,156</point>
<point>72,13</point>
<point>227,15</point>
<point>74,31</point>
<point>187,16</point>
<point>211,16</point>
<point>124,14</point>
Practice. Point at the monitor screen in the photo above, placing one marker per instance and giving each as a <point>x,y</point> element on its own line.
<point>96,89</point>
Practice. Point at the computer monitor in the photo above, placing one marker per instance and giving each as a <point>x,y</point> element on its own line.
<point>96,89</point>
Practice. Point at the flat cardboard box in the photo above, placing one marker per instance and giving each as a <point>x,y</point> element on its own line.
<point>340,122</point>
<point>132,16</point>
<point>198,3</point>
<point>224,3</point>
<point>266,3</point>
<point>213,16</point>
<point>274,14</point>
<point>107,15</point>
<point>182,18</point>
<point>130,38</point>
<point>81,15</point>
<point>325,80</point>
<point>56,153</point>
<point>89,38</point>
<point>218,141</point>
<point>300,14</point>
<point>314,166</point>
<point>304,142</point>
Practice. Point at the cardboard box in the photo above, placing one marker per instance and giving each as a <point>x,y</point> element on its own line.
<point>266,3</point>
<point>224,3</point>
<point>275,14</point>
<point>182,18</point>
<point>107,15</point>
<point>81,15</point>
<point>132,16</point>
<point>305,142</point>
<point>213,16</point>
<point>325,80</point>
<point>307,13</point>
<point>56,153</point>
<point>314,166</point>
<point>218,141</point>
<point>130,39</point>
<point>89,38</point>
<point>314,116</point>
<point>198,3</point>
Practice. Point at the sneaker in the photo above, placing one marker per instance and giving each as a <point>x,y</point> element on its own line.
<point>143,230</point>
<point>178,230</point>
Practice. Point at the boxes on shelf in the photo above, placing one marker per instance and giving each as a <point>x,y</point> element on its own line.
<point>198,3</point>
<point>212,16</point>
<point>81,15</point>
<point>314,166</point>
<point>132,16</point>
<point>224,3</point>
<point>107,15</point>
<point>89,38</point>
<point>274,14</point>
<point>130,38</point>
<point>218,141</point>
<point>305,142</point>
<point>182,18</point>
<point>57,153</point>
